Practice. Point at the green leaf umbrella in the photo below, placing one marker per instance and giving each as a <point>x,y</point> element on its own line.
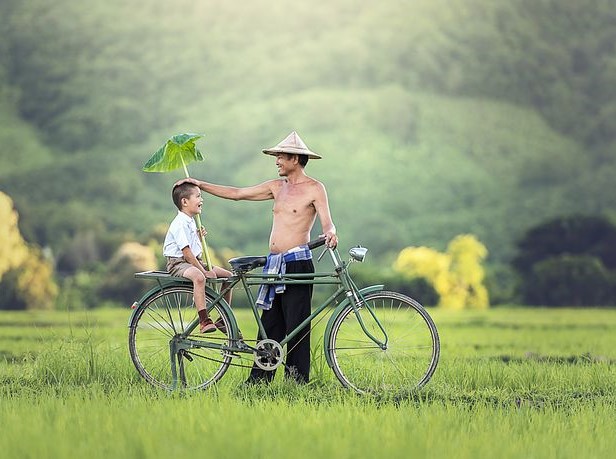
<point>177,152</point>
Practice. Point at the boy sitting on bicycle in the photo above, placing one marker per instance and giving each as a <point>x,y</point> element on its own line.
<point>183,250</point>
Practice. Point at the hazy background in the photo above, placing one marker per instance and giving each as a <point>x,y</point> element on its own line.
<point>434,118</point>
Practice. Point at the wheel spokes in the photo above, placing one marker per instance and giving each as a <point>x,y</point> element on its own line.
<point>408,359</point>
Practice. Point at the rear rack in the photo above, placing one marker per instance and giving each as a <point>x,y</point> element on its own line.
<point>156,275</point>
<point>165,276</point>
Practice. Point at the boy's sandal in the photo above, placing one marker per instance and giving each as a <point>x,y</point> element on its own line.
<point>207,326</point>
<point>220,324</point>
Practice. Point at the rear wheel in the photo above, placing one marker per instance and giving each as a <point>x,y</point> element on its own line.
<point>406,360</point>
<point>164,318</point>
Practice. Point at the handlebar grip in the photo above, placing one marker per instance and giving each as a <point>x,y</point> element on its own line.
<point>316,243</point>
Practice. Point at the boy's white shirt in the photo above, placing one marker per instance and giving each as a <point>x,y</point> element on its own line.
<point>182,232</point>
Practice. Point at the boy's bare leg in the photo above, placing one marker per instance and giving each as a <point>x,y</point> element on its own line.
<point>198,280</point>
<point>221,272</point>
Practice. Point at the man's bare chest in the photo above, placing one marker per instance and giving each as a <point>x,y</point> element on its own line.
<point>294,200</point>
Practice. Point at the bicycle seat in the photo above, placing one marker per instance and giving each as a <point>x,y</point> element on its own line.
<point>246,263</point>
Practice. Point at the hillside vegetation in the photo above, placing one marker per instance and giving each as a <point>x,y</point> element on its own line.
<point>434,118</point>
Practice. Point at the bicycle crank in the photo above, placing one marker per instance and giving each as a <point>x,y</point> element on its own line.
<point>268,354</point>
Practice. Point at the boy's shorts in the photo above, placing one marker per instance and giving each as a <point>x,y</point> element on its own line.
<point>178,265</point>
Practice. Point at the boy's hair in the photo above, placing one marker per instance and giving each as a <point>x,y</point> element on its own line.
<point>181,191</point>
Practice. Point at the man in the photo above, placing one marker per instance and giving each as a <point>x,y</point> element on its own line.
<point>298,200</point>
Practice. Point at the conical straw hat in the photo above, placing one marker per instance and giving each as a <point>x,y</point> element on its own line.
<point>293,145</point>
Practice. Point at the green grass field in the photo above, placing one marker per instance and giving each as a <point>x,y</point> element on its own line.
<point>511,382</point>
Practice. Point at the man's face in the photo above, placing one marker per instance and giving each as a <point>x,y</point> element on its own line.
<point>285,163</point>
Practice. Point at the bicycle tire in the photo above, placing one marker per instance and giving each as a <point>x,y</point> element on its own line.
<point>157,320</point>
<point>412,351</point>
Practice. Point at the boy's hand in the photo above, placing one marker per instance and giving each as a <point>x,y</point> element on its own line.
<point>209,274</point>
<point>202,232</point>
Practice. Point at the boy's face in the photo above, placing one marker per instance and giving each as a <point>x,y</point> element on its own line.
<point>193,203</point>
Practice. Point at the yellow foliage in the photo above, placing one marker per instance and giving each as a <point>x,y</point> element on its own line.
<point>29,278</point>
<point>215,257</point>
<point>132,256</point>
<point>226,254</point>
<point>35,282</point>
<point>466,255</point>
<point>424,262</point>
<point>457,275</point>
<point>13,249</point>
<point>119,282</point>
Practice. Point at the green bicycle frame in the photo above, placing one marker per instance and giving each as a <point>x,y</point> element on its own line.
<point>345,288</point>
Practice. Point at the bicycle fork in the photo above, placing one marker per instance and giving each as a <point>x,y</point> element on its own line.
<point>358,302</point>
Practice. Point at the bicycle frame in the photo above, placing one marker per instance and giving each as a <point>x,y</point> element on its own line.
<point>346,293</point>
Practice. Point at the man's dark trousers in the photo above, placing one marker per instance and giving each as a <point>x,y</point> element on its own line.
<point>288,310</point>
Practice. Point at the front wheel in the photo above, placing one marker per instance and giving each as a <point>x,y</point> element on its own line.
<point>164,318</point>
<point>409,345</point>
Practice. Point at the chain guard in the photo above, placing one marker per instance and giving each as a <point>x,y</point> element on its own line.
<point>268,354</point>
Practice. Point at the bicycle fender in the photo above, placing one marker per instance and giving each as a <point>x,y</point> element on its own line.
<point>154,290</point>
<point>328,330</point>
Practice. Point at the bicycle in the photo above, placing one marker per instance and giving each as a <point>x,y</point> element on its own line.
<point>375,341</point>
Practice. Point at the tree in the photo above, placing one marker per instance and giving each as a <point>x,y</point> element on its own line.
<point>457,275</point>
<point>26,278</point>
<point>119,283</point>
<point>30,285</point>
<point>569,280</point>
<point>573,235</point>
<point>13,249</point>
<point>466,272</point>
<point>568,261</point>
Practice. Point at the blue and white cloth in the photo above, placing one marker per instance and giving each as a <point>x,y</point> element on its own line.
<point>276,264</point>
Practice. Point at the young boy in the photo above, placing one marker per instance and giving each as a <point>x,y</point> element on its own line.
<point>183,249</point>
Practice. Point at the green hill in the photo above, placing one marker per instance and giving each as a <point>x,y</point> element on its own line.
<point>434,118</point>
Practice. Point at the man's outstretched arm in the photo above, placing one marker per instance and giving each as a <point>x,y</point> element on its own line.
<point>260,192</point>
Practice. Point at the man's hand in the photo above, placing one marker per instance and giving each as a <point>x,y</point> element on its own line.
<point>186,180</point>
<point>331,240</point>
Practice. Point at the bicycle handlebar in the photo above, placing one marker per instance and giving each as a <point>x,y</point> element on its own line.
<point>316,243</point>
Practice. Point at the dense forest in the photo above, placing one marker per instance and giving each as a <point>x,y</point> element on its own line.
<point>434,117</point>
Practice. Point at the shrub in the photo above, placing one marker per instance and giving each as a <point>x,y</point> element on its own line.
<point>30,285</point>
<point>568,261</point>
<point>570,280</point>
<point>456,275</point>
<point>119,282</point>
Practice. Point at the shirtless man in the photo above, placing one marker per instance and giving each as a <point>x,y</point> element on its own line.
<point>298,200</point>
